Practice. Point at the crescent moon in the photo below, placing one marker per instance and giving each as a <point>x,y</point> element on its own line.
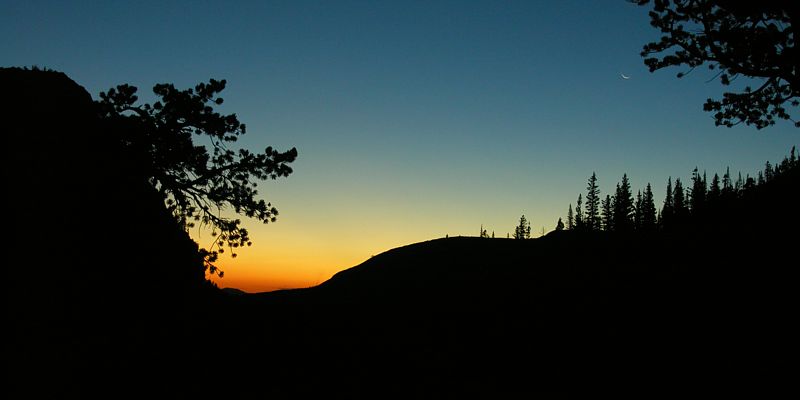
<point>624,77</point>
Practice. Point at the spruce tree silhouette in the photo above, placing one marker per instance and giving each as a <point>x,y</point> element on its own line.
<point>679,202</point>
<point>727,193</point>
<point>698,192</point>
<point>623,206</point>
<point>637,211</point>
<point>648,213</point>
<point>570,218</point>
<point>592,217</point>
<point>714,191</point>
<point>668,209</point>
<point>523,229</point>
<point>752,39</point>
<point>608,214</point>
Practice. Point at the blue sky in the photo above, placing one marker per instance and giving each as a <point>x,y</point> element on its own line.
<point>412,119</point>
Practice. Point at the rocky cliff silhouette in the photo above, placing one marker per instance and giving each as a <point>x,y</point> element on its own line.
<point>95,265</point>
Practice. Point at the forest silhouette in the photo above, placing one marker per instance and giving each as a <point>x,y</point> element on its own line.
<point>694,295</point>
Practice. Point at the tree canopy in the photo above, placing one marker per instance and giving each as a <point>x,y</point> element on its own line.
<point>198,185</point>
<point>754,39</point>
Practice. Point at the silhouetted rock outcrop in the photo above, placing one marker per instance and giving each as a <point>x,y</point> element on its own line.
<point>96,268</point>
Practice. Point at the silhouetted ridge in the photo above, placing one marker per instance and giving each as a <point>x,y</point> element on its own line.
<point>99,272</point>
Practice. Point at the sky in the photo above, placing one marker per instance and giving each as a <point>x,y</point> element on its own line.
<point>413,120</point>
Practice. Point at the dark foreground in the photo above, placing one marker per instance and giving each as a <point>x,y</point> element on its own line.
<point>566,314</point>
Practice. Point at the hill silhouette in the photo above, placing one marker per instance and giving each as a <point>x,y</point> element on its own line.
<point>105,294</point>
<point>703,307</point>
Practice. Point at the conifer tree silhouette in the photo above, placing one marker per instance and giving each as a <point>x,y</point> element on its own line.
<point>579,223</point>
<point>681,208</point>
<point>649,220</point>
<point>769,173</point>
<point>668,209</point>
<point>592,217</point>
<point>623,206</point>
<point>714,191</point>
<point>698,192</point>
<point>637,211</point>
<point>523,230</point>
<point>608,214</point>
<point>570,218</point>
<point>727,185</point>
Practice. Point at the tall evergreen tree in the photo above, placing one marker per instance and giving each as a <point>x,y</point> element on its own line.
<point>714,192</point>
<point>697,193</point>
<point>608,214</point>
<point>681,209</point>
<point>768,172</point>
<point>592,216</point>
<point>523,230</point>
<point>738,187</point>
<point>570,218</point>
<point>761,179</point>
<point>579,223</point>
<point>623,206</point>
<point>727,184</point>
<point>668,209</point>
<point>637,212</point>
<point>649,219</point>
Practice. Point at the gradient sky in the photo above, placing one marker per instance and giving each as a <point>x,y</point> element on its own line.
<point>413,120</point>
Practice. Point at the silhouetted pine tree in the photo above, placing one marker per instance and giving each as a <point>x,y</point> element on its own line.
<point>738,187</point>
<point>714,192</point>
<point>649,219</point>
<point>680,207</point>
<point>697,194</point>
<point>559,225</point>
<point>592,217</point>
<point>769,174</point>
<point>570,218</point>
<point>579,225</point>
<point>523,230</point>
<point>637,212</point>
<point>623,206</point>
<point>608,214</point>
<point>727,185</point>
<point>668,209</point>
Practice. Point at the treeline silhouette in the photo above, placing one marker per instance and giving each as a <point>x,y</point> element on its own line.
<point>682,207</point>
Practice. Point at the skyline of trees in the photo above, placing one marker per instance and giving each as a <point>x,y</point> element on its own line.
<point>624,212</point>
<point>621,213</point>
